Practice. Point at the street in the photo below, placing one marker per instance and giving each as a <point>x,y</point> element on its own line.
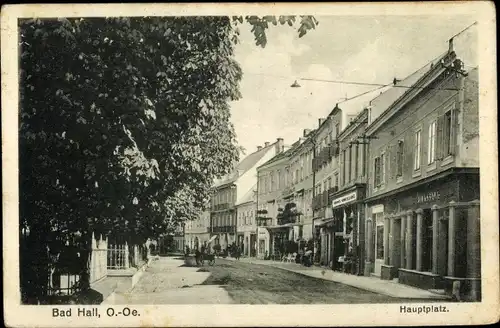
<point>167,281</point>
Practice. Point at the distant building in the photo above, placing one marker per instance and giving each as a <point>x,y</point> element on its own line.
<point>422,206</point>
<point>246,223</point>
<point>197,231</point>
<point>284,197</point>
<point>231,190</point>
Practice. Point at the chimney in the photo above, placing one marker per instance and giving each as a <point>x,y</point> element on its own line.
<point>320,121</point>
<point>450,45</point>
<point>266,144</point>
<point>306,132</point>
<point>279,145</point>
<point>259,148</point>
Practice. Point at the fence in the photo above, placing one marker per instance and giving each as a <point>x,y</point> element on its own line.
<point>118,257</point>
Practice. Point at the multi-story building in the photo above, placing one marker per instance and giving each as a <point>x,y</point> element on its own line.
<point>284,195</point>
<point>197,231</point>
<point>230,190</point>
<point>246,224</point>
<point>326,179</point>
<point>347,200</point>
<point>422,205</point>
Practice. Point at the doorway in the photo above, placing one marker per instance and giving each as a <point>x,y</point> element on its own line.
<point>378,218</point>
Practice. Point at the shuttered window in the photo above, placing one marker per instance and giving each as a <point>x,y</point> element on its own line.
<point>448,144</point>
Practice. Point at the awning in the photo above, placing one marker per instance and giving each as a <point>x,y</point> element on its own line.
<point>212,238</point>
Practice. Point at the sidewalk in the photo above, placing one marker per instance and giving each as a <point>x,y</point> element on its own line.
<point>372,284</point>
<point>166,281</point>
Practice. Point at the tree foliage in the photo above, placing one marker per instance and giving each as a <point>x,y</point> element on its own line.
<point>125,122</point>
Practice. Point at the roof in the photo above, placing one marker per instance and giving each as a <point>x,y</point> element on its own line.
<point>249,196</point>
<point>290,151</point>
<point>245,164</point>
<point>383,101</point>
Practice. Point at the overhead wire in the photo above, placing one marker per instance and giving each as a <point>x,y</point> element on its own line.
<point>375,84</point>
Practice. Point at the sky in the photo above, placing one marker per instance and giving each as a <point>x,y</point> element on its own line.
<point>370,49</point>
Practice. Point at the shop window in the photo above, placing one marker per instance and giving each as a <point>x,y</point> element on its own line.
<point>418,150</point>
<point>427,240</point>
<point>379,235</point>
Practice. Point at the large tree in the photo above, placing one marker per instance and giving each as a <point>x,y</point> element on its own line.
<point>125,122</point>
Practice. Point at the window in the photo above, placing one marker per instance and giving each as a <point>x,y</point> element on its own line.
<point>336,180</point>
<point>376,172</point>
<point>278,179</point>
<point>325,186</point>
<point>448,129</point>
<point>337,130</point>
<point>418,150</point>
<point>330,183</point>
<point>382,168</point>
<point>343,167</point>
<point>349,164</point>
<point>432,143</point>
<point>399,158</point>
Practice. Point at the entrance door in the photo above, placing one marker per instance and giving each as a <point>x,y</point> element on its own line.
<point>253,241</point>
<point>378,218</point>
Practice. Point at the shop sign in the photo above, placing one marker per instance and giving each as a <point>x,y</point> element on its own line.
<point>428,197</point>
<point>345,199</point>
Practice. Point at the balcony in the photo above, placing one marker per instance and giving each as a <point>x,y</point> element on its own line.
<point>221,207</point>
<point>264,222</point>
<point>287,220</point>
<point>224,229</point>
<point>331,193</point>
<point>288,191</point>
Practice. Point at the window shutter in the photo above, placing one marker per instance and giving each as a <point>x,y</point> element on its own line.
<point>453,128</point>
<point>440,140</point>
<point>392,163</point>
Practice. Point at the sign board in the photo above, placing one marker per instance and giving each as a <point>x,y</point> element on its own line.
<point>428,197</point>
<point>344,199</point>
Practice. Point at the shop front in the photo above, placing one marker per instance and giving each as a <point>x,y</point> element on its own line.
<point>345,231</point>
<point>428,235</point>
<point>263,243</point>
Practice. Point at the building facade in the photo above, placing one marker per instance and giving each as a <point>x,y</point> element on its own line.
<point>347,200</point>
<point>422,205</point>
<point>230,190</point>
<point>326,181</point>
<point>284,197</point>
<point>246,223</point>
